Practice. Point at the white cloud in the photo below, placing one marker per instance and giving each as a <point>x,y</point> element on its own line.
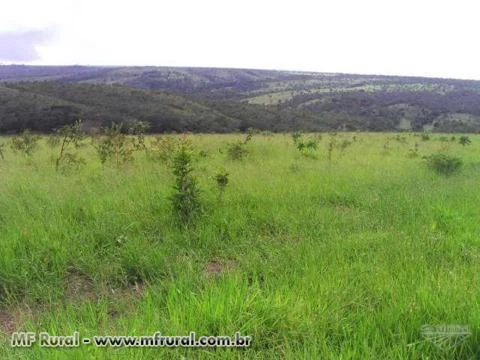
<point>22,45</point>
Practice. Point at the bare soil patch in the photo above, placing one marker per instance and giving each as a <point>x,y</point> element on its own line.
<point>218,267</point>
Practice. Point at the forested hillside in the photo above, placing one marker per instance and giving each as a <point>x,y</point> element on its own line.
<point>225,100</point>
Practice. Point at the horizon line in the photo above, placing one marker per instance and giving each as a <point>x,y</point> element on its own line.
<point>332,73</point>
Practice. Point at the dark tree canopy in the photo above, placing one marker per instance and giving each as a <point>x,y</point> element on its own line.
<point>225,100</point>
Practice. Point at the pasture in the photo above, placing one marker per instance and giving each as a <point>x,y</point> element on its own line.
<point>339,252</point>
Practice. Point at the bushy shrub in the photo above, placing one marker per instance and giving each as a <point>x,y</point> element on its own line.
<point>185,199</point>
<point>237,150</point>
<point>138,129</point>
<point>401,139</point>
<point>443,163</point>
<point>26,143</point>
<point>464,140</point>
<point>70,136</point>
<point>249,135</point>
<point>221,179</point>
<point>113,144</point>
<point>306,145</point>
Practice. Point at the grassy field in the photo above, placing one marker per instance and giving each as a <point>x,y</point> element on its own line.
<point>313,258</point>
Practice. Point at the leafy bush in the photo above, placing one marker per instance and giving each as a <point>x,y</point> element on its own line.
<point>333,144</point>
<point>222,181</point>
<point>185,199</point>
<point>443,163</point>
<point>401,139</point>
<point>69,136</point>
<point>113,144</point>
<point>464,140</point>
<point>26,143</point>
<point>138,129</point>
<point>306,145</point>
<point>249,136</point>
<point>237,150</point>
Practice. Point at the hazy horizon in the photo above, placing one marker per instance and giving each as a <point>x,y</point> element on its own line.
<point>234,68</point>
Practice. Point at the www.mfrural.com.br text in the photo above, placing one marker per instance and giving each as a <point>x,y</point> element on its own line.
<point>44,339</point>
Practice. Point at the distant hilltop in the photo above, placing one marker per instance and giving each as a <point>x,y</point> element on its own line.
<point>42,98</point>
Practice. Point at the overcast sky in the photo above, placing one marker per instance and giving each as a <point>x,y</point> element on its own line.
<point>407,37</point>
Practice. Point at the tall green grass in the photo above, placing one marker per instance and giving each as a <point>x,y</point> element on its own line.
<point>340,259</point>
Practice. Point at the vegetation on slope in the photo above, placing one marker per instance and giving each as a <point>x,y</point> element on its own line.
<point>224,100</point>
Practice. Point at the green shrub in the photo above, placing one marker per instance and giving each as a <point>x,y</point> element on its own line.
<point>401,139</point>
<point>464,140</point>
<point>26,143</point>
<point>443,163</point>
<point>138,129</point>
<point>70,136</point>
<point>113,144</point>
<point>185,199</point>
<point>306,145</point>
<point>237,150</point>
<point>222,181</point>
<point>249,136</point>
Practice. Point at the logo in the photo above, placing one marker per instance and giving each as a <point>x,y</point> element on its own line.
<point>445,336</point>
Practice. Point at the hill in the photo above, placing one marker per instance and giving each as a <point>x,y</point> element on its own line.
<point>223,100</point>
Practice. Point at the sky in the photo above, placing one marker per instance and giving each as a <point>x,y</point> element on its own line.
<point>408,37</point>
